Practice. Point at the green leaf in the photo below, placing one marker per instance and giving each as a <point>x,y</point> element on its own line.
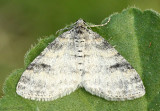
<point>136,36</point>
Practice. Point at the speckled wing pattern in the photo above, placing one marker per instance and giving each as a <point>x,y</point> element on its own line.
<point>108,74</point>
<point>52,74</point>
<point>80,58</point>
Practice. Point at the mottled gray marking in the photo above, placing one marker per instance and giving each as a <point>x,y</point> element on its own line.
<point>81,41</point>
<point>135,79</point>
<point>86,55</point>
<point>124,92</point>
<point>40,56</point>
<point>25,79</point>
<point>123,65</point>
<point>79,56</point>
<point>38,92</point>
<point>125,85</point>
<point>76,41</point>
<point>45,65</point>
<point>79,30</point>
<point>117,55</point>
<point>140,87</point>
<point>79,50</point>
<point>55,46</point>
<point>30,67</point>
<point>34,66</point>
<point>96,36</point>
<point>71,45</point>
<point>21,86</point>
<point>103,46</point>
<point>120,84</point>
<point>40,84</point>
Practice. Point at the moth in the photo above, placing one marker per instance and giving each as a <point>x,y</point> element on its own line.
<point>80,58</point>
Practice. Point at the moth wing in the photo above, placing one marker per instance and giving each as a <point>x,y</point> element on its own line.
<point>108,74</point>
<point>52,74</point>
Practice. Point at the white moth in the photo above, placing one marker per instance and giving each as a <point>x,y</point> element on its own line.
<point>80,58</point>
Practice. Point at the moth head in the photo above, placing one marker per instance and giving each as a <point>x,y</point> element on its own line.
<point>80,23</point>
